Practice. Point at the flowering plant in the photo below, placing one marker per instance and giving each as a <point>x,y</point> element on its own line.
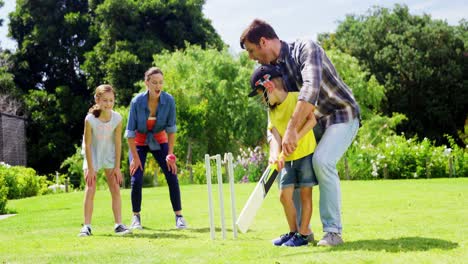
<point>250,164</point>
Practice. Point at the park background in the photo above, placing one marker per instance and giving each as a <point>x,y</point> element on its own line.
<point>407,71</point>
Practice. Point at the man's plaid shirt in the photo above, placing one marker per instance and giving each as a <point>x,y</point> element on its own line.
<point>307,68</point>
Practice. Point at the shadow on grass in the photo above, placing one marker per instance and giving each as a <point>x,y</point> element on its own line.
<point>207,230</point>
<point>394,245</point>
<point>402,244</point>
<point>164,235</point>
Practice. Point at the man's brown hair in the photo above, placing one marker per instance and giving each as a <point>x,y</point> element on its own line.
<point>256,30</point>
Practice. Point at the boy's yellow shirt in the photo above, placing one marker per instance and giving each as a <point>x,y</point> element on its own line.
<point>279,118</point>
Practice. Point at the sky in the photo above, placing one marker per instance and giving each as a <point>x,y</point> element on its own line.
<point>291,19</point>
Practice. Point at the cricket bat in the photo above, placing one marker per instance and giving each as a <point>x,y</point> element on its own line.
<point>256,198</point>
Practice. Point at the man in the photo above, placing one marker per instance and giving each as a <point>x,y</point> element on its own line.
<point>306,67</point>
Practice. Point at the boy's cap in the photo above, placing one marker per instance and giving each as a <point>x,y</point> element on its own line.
<point>261,75</point>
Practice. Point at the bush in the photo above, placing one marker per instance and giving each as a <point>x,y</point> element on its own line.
<point>250,163</point>
<point>22,182</point>
<point>74,168</point>
<point>400,158</point>
<point>3,194</point>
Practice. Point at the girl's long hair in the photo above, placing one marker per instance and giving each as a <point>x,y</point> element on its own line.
<point>100,90</point>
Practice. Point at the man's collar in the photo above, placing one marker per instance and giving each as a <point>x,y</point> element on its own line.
<point>284,52</point>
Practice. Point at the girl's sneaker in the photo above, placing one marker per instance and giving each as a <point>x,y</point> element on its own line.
<point>296,241</point>
<point>85,231</point>
<point>122,230</point>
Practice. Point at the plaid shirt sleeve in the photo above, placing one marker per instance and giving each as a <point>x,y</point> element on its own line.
<point>309,57</point>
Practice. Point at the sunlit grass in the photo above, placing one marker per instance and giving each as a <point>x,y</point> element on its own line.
<point>405,221</point>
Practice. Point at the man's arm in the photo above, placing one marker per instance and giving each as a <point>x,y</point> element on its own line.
<point>309,124</point>
<point>302,111</point>
<point>311,65</point>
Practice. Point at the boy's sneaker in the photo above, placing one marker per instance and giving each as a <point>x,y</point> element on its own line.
<point>180,222</point>
<point>136,222</point>
<point>310,238</point>
<point>296,241</point>
<point>282,239</point>
<point>122,230</point>
<point>330,239</point>
<point>85,231</point>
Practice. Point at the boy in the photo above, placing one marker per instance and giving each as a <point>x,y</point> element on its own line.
<point>266,81</point>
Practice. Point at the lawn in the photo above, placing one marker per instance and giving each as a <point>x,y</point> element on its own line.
<point>401,221</point>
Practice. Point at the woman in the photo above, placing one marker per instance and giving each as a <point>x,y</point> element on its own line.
<point>151,128</point>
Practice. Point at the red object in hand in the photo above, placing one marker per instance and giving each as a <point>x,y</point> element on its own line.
<point>171,157</point>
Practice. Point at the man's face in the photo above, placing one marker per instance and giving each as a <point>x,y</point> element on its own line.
<point>259,52</point>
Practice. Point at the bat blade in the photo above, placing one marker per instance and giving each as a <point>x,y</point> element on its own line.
<point>256,198</point>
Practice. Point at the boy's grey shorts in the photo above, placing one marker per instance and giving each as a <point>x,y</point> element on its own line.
<point>298,173</point>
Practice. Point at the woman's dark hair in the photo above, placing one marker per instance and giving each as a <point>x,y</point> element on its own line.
<point>151,71</point>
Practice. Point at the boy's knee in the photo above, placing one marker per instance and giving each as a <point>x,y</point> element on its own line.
<point>284,198</point>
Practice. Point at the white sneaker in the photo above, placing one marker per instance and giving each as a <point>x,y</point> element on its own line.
<point>122,230</point>
<point>85,231</point>
<point>180,222</point>
<point>136,222</point>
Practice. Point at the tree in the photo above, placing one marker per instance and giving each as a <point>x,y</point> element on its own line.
<point>67,48</point>
<point>368,92</point>
<point>420,62</point>
<point>47,71</point>
<point>51,47</point>
<point>214,113</point>
<point>130,32</point>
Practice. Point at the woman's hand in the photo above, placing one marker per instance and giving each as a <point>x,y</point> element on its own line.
<point>134,165</point>
<point>171,163</point>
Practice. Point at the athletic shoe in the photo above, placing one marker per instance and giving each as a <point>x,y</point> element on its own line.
<point>85,231</point>
<point>136,222</point>
<point>122,230</point>
<point>331,239</point>
<point>282,239</point>
<point>296,241</point>
<point>180,222</point>
<point>310,238</point>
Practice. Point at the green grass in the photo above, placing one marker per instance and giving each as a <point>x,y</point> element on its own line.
<point>404,221</point>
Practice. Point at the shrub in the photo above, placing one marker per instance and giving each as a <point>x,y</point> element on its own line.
<point>3,194</point>
<point>400,158</point>
<point>74,168</point>
<point>22,182</point>
<point>199,172</point>
<point>251,163</point>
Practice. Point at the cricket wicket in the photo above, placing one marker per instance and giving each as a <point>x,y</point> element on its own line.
<point>230,172</point>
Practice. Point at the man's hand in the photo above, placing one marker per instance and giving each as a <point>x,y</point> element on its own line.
<point>289,143</point>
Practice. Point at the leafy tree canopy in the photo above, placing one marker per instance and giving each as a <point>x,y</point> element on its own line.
<point>420,61</point>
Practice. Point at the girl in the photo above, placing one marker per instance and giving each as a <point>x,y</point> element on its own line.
<point>102,147</point>
<point>151,128</point>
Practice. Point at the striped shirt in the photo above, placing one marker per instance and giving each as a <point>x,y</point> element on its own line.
<point>304,64</point>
